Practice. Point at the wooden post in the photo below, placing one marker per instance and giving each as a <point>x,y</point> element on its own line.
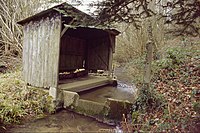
<point>66,28</point>
<point>86,57</point>
<point>110,69</point>
<point>110,63</point>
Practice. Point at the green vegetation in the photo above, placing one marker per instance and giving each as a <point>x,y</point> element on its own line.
<point>16,100</point>
<point>19,101</point>
<point>172,103</point>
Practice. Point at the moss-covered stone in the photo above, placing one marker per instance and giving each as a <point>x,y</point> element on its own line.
<point>70,99</point>
<point>117,108</point>
<point>90,108</point>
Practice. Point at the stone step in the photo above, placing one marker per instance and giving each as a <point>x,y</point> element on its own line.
<point>112,109</point>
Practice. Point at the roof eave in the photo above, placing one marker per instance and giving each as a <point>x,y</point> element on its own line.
<point>111,31</point>
<point>45,12</point>
<point>22,22</point>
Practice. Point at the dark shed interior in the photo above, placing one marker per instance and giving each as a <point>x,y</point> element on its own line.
<point>84,48</point>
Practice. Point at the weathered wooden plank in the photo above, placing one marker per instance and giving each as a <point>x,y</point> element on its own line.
<point>83,85</point>
<point>98,53</point>
<point>41,52</point>
<point>36,65</point>
<point>112,41</point>
<point>72,53</point>
<point>46,45</point>
<point>39,56</point>
<point>33,57</point>
<point>25,52</point>
<point>66,28</point>
<point>111,51</point>
<point>30,53</point>
<point>50,52</point>
<point>34,61</point>
<point>55,50</point>
<point>42,44</point>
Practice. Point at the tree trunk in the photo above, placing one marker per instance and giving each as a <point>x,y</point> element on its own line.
<point>149,58</point>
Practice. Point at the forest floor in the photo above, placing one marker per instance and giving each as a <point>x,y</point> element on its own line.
<point>179,89</point>
<point>173,102</point>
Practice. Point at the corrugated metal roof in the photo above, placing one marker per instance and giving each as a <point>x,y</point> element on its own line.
<point>64,9</point>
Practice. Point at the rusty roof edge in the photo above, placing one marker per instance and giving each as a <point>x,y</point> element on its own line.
<point>21,22</point>
<point>112,30</point>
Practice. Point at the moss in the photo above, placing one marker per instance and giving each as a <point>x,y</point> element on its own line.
<point>117,109</point>
<point>90,108</point>
<point>18,100</point>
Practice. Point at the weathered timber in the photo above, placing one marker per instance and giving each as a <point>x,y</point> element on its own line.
<point>72,53</point>
<point>83,84</point>
<point>41,52</point>
<point>98,54</point>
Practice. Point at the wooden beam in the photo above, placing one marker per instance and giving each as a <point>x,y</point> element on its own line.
<point>111,51</point>
<point>112,42</point>
<point>110,62</point>
<point>66,28</point>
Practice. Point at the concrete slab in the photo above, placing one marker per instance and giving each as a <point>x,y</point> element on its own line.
<point>108,112</point>
<point>70,99</point>
<point>107,103</point>
<point>102,93</point>
<point>83,84</point>
<point>117,108</point>
<point>90,108</point>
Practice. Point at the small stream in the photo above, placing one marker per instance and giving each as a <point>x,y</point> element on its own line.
<point>121,92</point>
<point>66,121</point>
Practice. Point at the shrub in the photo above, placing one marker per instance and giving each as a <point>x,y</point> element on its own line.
<point>18,101</point>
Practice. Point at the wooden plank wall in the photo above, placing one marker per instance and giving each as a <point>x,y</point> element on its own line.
<point>98,54</point>
<point>111,51</point>
<point>41,46</point>
<point>72,53</point>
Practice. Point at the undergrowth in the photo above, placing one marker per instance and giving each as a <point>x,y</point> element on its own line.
<point>18,101</point>
<point>173,102</point>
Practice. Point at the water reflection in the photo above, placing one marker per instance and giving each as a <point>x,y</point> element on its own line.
<point>126,88</point>
<point>121,92</point>
<point>64,121</point>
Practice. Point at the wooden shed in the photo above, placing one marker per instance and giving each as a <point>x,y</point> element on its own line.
<point>62,40</point>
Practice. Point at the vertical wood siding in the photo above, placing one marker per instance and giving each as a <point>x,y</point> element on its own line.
<point>98,54</point>
<point>41,46</point>
<point>72,53</point>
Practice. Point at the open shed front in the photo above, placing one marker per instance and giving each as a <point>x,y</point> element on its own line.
<point>84,50</point>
